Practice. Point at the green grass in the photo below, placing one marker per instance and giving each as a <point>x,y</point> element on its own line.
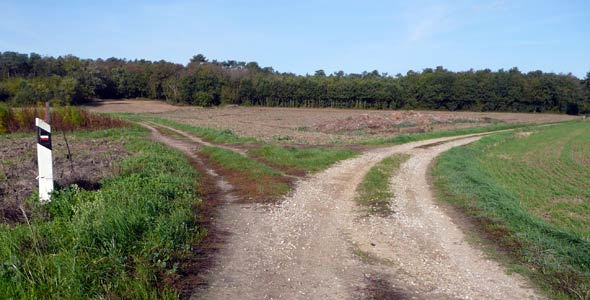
<point>305,159</point>
<point>374,193</point>
<point>113,243</point>
<point>255,179</point>
<point>529,191</point>
<point>215,136</point>
<point>406,138</point>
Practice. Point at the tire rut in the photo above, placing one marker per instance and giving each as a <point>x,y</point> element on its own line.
<point>189,149</point>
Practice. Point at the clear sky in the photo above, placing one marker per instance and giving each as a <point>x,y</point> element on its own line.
<point>302,36</point>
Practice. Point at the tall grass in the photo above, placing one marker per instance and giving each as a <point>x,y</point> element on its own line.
<point>529,193</point>
<point>66,118</point>
<point>113,243</point>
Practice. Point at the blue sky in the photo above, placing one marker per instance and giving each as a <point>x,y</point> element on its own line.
<point>304,36</point>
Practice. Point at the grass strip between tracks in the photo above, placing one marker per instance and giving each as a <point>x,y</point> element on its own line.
<point>216,136</point>
<point>253,180</point>
<point>305,159</point>
<point>375,193</point>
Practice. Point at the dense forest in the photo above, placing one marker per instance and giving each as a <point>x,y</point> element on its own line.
<point>30,78</point>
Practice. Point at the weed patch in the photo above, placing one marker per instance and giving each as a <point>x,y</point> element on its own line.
<point>66,118</point>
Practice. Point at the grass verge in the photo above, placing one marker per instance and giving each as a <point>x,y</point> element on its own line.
<point>211,135</point>
<point>528,192</point>
<point>113,243</point>
<point>253,179</point>
<point>374,193</point>
<point>303,159</point>
<point>407,138</point>
<point>294,160</point>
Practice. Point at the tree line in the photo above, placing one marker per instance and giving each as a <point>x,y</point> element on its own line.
<point>30,78</point>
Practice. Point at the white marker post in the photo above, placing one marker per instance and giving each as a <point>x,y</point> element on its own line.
<point>44,160</point>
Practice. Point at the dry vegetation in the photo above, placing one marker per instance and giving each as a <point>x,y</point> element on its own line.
<point>66,118</point>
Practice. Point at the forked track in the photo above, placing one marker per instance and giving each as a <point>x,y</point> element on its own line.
<point>316,245</point>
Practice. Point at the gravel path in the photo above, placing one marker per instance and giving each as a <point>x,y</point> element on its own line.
<point>317,245</point>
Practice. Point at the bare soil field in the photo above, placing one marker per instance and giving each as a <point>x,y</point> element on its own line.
<point>130,105</point>
<point>92,160</point>
<point>319,126</point>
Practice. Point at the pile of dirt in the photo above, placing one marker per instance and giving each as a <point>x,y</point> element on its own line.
<point>393,122</point>
<point>91,161</point>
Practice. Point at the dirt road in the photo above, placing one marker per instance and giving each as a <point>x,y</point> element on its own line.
<point>316,244</point>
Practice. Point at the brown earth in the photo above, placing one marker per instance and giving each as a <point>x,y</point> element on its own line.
<point>91,160</point>
<point>130,105</point>
<point>319,126</point>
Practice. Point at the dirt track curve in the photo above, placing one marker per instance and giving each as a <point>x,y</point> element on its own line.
<point>316,244</point>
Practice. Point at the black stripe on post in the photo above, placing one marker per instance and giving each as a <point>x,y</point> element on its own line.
<point>44,142</point>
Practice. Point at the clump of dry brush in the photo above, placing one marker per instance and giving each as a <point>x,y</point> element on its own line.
<point>63,118</point>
